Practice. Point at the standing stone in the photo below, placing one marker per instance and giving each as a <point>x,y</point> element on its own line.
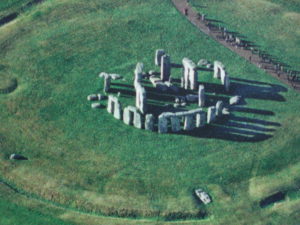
<point>128,114</point>
<point>182,82</point>
<point>211,114</point>
<point>201,119</point>
<point>189,123</point>
<point>201,96</point>
<point>107,81</point>
<point>141,98</point>
<point>219,108</point>
<point>194,78</point>
<point>149,122</point>
<point>223,76</point>
<point>137,120</point>
<point>165,68</point>
<point>227,83</point>
<point>117,109</point>
<point>158,54</point>
<point>110,104</point>
<point>162,124</point>
<point>138,72</point>
<point>175,124</point>
<point>218,67</point>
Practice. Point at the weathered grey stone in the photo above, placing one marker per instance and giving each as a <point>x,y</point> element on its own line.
<point>227,83</point>
<point>92,97</point>
<point>219,108</point>
<point>202,62</point>
<point>128,115</point>
<point>115,76</point>
<point>141,97</point>
<point>96,105</point>
<point>161,86</point>
<point>201,96</point>
<point>149,122</point>
<point>165,68</point>
<point>176,105</point>
<point>191,98</point>
<point>175,124</point>
<point>235,100</point>
<point>162,124</point>
<point>158,54</point>
<point>137,120</point>
<point>225,111</point>
<point>138,72</point>
<point>201,119</point>
<point>17,157</point>
<point>189,122</point>
<point>107,82</point>
<point>110,104</point>
<point>218,68</point>
<point>209,66</point>
<point>183,104</point>
<point>190,74</point>
<point>118,110</point>
<point>211,114</point>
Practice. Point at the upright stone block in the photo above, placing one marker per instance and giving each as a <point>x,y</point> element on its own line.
<point>175,124</point>
<point>107,82</point>
<point>227,83</point>
<point>201,96</point>
<point>218,67</point>
<point>219,108</point>
<point>117,110</point>
<point>201,119</point>
<point>137,120</point>
<point>162,124</point>
<point>211,114</point>
<point>110,104</point>
<point>193,79</point>
<point>138,72</point>
<point>165,68</point>
<point>189,122</point>
<point>158,54</point>
<point>149,122</point>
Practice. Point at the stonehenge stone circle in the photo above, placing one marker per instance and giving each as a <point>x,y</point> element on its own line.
<point>172,117</point>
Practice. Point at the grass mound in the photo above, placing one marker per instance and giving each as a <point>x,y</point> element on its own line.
<point>7,84</point>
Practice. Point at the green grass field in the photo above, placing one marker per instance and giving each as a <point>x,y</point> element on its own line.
<point>83,160</point>
<point>272,25</point>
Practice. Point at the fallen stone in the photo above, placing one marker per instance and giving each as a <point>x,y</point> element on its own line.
<point>17,157</point>
<point>96,105</point>
<point>202,62</point>
<point>225,111</point>
<point>191,98</point>
<point>235,100</point>
<point>92,97</point>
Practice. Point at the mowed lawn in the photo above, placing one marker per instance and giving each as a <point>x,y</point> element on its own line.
<point>84,159</point>
<point>272,25</point>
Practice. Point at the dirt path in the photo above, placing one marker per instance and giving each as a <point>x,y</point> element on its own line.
<point>193,16</point>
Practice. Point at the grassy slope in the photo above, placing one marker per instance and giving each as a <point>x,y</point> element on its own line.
<point>56,52</point>
<point>11,6</point>
<point>274,25</point>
